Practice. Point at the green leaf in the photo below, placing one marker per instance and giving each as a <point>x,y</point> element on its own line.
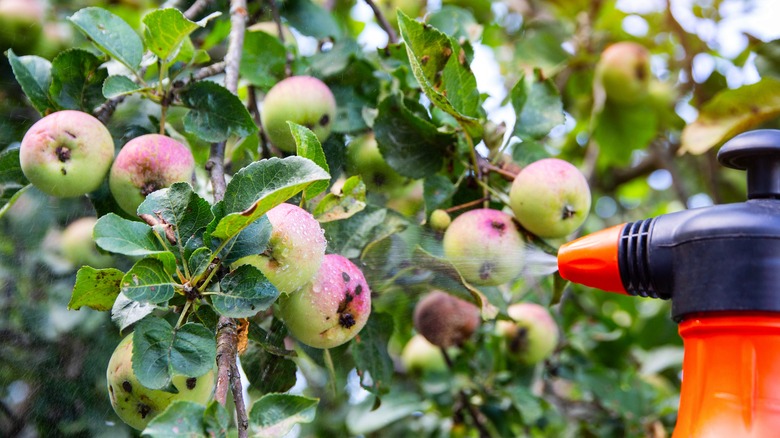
<point>77,78</point>
<point>216,420</point>
<point>731,112</point>
<point>370,352</point>
<point>266,371</point>
<point>181,419</point>
<point>348,237</point>
<point>263,60</point>
<point>262,185</point>
<point>310,19</point>
<point>199,261</point>
<point>356,88</point>
<point>251,240</point>
<point>437,192</point>
<point>12,179</point>
<point>308,146</point>
<point>245,291</point>
<point>216,113</point>
<point>350,201</point>
<point>111,34</point>
<point>147,281</point>
<point>34,76</point>
<point>165,31</point>
<point>159,351</point>
<point>441,68</point>
<point>122,236</point>
<point>181,208</point>
<point>412,146</point>
<point>273,415</point>
<point>538,107</point>
<point>95,288</point>
<point>126,312</point>
<point>621,129</point>
<point>119,85</point>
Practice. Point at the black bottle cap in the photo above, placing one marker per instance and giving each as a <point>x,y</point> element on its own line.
<point>758,153</point>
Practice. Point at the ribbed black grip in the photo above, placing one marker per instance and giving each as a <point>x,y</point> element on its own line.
<point>634,260</point>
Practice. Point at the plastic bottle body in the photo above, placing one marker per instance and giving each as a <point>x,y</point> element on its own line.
<point>731,376</point>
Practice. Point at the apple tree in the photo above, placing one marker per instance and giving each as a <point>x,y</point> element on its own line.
<point>340,217</point>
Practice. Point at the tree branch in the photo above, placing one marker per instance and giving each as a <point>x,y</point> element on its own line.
<point>288,57</point>
<point>196,8</point>
<point>383,23</point>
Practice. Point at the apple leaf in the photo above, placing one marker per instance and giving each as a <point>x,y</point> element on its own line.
<point>538,107</point>
<point>263,60</point>
<point>370,352</point>
<point>268,372</point>
<point>215,113</point>
<point>355,88</point>
<point>311,19</point>
<point>95,288</point>
<point>244,292</point>
<point>274,415</point>
<point>77,78</point>
<point>731,112</point>
<point>621,129</point>
<point>166,29</point>
<point>34,76</point>
<point>251,240</point>
<point>216,420</point>
<point>160,351</point>
<point>348,237</point>
<point>180,419</point>
<point>147,281</point>
<point>262,185</point>
<point>181,208</point>
<point>439,63</point>
<point>111,34</point>
<point>350,201</point>
<point>411,145</point>
<point>122,236</point>
<point>12,179</point>
<point>437,192</point>
<point>126,312</point>
<point>119,85</point>
<point>308,146</point>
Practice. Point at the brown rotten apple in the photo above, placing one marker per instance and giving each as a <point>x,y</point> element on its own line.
<point>445,320</point>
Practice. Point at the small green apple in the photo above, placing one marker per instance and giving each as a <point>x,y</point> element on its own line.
<point>419,355</point>
<point>485,246</point>
<point>550,198</point>
<point>364,159</point>
<point>67,153</point>
<point>624,72</point>
<point>295,249</point>
<point>146,164</point>
<point>304,100</point>
<point>445,320</point>
<point>135,404</point>
<point>330,310</point>
<point>78,247</point>
<point>532,335</point>
<point>440,220</point>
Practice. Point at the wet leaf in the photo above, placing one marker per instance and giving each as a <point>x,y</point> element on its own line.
<point>244,292</point>
<point>308,146</point>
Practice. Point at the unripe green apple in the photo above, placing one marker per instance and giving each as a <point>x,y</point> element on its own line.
<point>135,404</point>
<point>67,153</point>
<point>532,335</point>
<point>330,310</point>
<point>364,159</point>
<point>295,249</point>
<point>21,23</point>
<point>624,72</point>
<point>445,320</point>
<point>550,198</point>
<point>146,164</point>
<point>78,247</point>
<point>412,8</point>
<point>304,100</point>
<point>419,355</point>
<point>485,246</point>
<point>440,220</point>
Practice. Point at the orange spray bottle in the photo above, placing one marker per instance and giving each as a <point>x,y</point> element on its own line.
<point>720,266</point>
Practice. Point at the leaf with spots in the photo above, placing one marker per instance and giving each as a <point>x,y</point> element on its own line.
<point>126,312</point>
<point>148,282</point>
<point>160,351</point>
<point>350,201</point>
<point>244,292</point>
<point>274,415</point>
<point>95,288</point>
<point>370,351</point>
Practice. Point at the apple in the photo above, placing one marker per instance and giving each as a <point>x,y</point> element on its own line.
<point>364,159</point>
<point>135,404</point>
<point>412,8</point>
<point>407,199</point>
<point>419,355</point>
<point>440,220</point>
<point>624,72</point>
<point>485,246</point>
<point>271,28</point>
<point>532,335</point>
<point>304,100</point>
<point>550,198</point>
<point>146,164</point>
<point>78,247</point>
<point>21,23</point>
<point>445,320</point>
<point>295,249</point>
<point>67,153</point>
<point>330,310</point>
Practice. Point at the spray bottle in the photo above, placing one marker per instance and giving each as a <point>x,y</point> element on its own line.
<point>720,266</point>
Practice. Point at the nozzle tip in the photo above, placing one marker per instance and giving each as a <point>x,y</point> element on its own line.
<point>592,260</point>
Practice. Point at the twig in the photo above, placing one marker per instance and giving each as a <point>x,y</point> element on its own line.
<point>475,415</point>
<point>466,205</point>
<point>106,110</point>
<point>266,149</point>
<point>383,23</point>
<point>288,57</point>
<point>196,8</point>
